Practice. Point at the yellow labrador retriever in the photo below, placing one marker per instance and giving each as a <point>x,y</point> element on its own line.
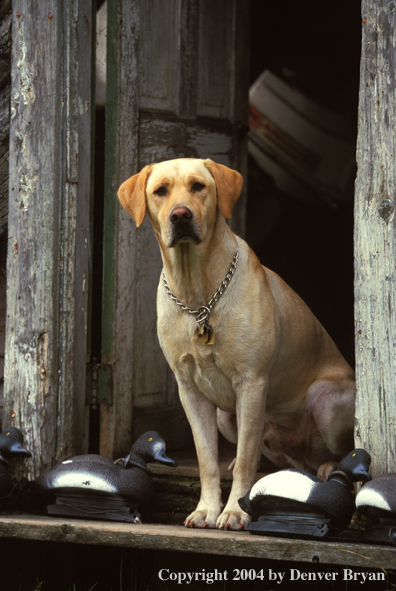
<point>238,339</point>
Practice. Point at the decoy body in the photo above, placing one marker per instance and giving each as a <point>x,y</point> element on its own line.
<point>377,501</point>
<point>91,486</point>
<point>294,503</point>
<point>11,446</point>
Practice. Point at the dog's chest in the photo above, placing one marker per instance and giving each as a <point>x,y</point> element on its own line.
<point>210,375</point>
<point>203,366</point>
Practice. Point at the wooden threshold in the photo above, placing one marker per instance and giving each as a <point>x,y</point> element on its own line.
<point>181,539</point>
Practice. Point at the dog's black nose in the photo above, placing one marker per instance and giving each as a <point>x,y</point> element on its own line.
<point>180,215</point>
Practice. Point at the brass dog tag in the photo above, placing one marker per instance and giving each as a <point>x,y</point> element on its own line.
<point>206,334</point>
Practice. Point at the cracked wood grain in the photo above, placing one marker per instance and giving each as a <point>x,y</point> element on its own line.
<point>375,238</point>
<point>48,232</point>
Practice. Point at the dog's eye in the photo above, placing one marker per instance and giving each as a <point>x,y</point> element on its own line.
<point>198,187</point>
<point>161,191</point>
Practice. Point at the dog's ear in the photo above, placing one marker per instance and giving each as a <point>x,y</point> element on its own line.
<point>132,195</point>
<point>229,185</point>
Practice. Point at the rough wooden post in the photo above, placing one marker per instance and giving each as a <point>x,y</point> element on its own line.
<point>49,208</point>
<point>375,238</point>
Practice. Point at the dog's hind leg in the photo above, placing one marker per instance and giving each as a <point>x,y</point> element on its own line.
<point>332,402</point>
<point>272,448</point>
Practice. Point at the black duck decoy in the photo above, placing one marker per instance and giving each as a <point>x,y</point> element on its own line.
<point>11,446</point>
<point>93,487</point>
<point>377,501</point>
<point>293,503</point>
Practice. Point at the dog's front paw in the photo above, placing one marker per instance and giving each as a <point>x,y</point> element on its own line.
<point>233,519</point>
<point>202,517</point>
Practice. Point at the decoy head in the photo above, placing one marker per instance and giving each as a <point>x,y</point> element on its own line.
<point>11,440</point>
<point>355,466</point>
<point>149,447</point>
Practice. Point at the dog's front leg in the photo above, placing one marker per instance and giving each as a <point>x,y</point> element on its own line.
<point>201,414</point>
<point>250,409</point>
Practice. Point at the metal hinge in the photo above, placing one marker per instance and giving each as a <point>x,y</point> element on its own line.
<point>99,384</point>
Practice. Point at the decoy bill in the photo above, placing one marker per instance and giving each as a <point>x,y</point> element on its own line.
<point>293,503</point>
<point>377,501</point>
<point>93,487</point>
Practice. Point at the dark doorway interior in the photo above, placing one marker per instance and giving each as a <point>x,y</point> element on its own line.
<point>316,47</point>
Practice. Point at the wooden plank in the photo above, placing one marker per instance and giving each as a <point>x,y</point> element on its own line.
<point>241,60</point>
<point>181,539</point>
<point>5,95</point>
<point>375,239</point>
<point>47,268</point>
<point>188,73</point>
<point>159,84</point>
<point>161,137</point>
<point>215,59</point>
<point>122,99</point>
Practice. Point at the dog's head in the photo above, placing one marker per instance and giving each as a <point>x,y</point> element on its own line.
<point>182,197</point>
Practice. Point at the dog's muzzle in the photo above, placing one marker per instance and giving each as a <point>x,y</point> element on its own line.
<point>182,226</point>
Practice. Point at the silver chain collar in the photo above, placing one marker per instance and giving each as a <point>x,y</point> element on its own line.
<point>203,313</point>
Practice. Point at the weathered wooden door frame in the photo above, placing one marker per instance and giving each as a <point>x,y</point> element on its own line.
<point>375,238</point>
<point>48,273</point>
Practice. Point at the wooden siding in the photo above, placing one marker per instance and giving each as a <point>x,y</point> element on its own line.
<point>375,238</point>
